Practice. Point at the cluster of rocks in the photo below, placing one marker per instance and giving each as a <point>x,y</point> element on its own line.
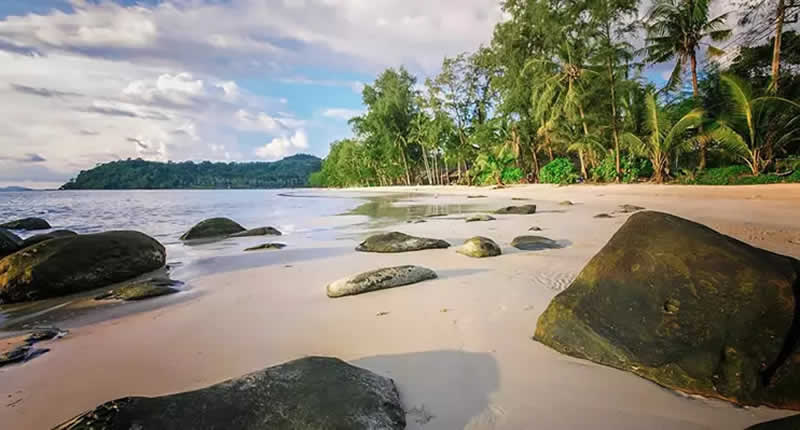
<point>25,349</point>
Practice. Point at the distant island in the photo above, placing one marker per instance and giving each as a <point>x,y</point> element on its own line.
<point>130,174</point>
<point>13,188</point>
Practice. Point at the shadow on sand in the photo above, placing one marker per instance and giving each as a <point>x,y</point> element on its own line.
<point>441,389</point>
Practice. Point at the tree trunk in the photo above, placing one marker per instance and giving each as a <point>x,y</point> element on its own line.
<point>585,133</point>
<point>614,130</point>
<point>583,165</point>
<point>427,166</point>
<point>405,164</point>
<point>535,164</point>
<point>776,50</point>
<point>696,93</point>
<point>446,171</point>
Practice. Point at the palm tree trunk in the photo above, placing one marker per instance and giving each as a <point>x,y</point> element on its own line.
<point>776,50</point>
<point>405,164</point>
<point>585,133</point>
<point>696,93</point>
<point>427,167</point>
<point>614,130</point>
<point>535,163</point>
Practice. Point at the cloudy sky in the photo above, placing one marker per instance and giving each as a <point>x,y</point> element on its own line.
<point>89,81</point>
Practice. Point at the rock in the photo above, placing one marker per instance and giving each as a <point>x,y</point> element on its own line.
<point>270,245</point>
<point>41,334</point>
<point>387,277</point>
<point>416,221</point>
<point>27,224</point>
<point>787,423</point>
<point>476,196</point>
<point>213,227</point>
<point>517,210</point>
<point>534,243</point>
<point>399,242</point>
<point>479,247</point>
<point>309,393</point>
<point>33,240</point>
<point>602,215</point>
<point>141,290</point>
<point>475,218</point>
<point>519,198</point>
<point>261,231</point>
<point>15,355</point>
<point>688,308</point>
<point>67,265</point>
<point>629,209</point>
<point>9,243</point>
<point>566,203</point>
<point>535,228</point>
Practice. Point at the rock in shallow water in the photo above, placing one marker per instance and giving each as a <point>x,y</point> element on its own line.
<point>263,246</point>
<point>141,290</point>
<point>67,265</point>
<point>309,393</point>
<point>33,240</point>
<point>534,243</point>
<point>689,308</point>
<point>261,231</point>
<point>9,243</point>
<point>387,277</point>
<point>474,218</point>
<point>213,227</point>
<point>399,242</point>
<point>27,224</point>
<point>517,210</point>
<point>479,247</point>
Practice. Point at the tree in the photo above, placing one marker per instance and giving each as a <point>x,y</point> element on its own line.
<point>755,128</point>
<point>662,137</point>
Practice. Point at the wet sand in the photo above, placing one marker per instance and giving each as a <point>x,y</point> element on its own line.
<point>459,347</point>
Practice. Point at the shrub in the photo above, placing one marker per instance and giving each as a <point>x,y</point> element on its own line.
<point>606,171</point>
<point>632,169</point>
<point>721,175</point>
<point>512,175</point>
<point>558,171</point>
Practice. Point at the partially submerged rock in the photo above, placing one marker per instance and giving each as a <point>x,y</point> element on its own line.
<point>31,223</point>
<point>387,277</point>
<point>67,265</point>
<point>535,228</point>
<point>688,308</point>
<point>45,333</point>
<point>479,247</point>
<point>474,218</point>
<point>629,208</point>
<point>476,196</point>
<point>261,231</point>
<point>309,393</point>
<point>141,290</point>
<point>517,210</point>
<point>15,355</point>
<point>269,245</point>
<point>603,215</point>
<point>534,243</point>
<point>213,227</point>
<point>399,242</point>
<point>566,203</point>
<point>33,240</point>
<point>9,243</point>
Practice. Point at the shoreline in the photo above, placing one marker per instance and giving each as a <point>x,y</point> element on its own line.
<point>458,347</point>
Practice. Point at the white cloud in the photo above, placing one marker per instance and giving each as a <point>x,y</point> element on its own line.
<point>282,146</point>
<point>341,113</point>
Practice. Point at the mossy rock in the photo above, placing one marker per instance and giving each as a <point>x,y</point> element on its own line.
<point>67,265</point>
<point>33,240</point>
<point>309,393</point>
<point>31,223</point>
<point>380,279</point>
<point>534,243</point>
<point>517,210</point>
<point>688,308</point>
<point>9,243</point>
<point>264,246</point>
<point>479,247</point>
<point>399,242</point>
<point>476,218</point>
<point>141,290</point>
<point>261,231</point>
<point>213,227</point>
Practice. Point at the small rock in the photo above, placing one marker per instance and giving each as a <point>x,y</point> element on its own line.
<point>534,243</point>
<point>476,196</point>
<point>602,215</point>
<point>15,355</point>
<point>46,333</point>
<point>142,290</point>
<point>213,227</point>
<point>517,210</point>
<point>382,313</point>
<point>416,221</point>
<point>474,218</point>
<point>519,198</point>
<point>27,224</point>
<point>388,277</point>
<point>399,242</point>
<point>261,231</point>
<point>535,228</point>
<point>625,209</point>
<point>270,245</point>
<point>479,247</point>
<point>566,203</point>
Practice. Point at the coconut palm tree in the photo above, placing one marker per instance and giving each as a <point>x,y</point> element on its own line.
<point>663,138</point>
<point>755,128</point>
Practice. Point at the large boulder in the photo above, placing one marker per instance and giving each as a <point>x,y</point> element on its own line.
<point>9,243</point>
<point>688,308</point>
<point>261,231</point>
<point>33,240</point>
<point>517,210</point>
<point>479,247</point>
<point>66,265</point>
<point>27,224</point>
<point>213,227</point>
<point>309,393</point>
<point>388,277</point>
<point>399,242</point>
<point>787,423</point>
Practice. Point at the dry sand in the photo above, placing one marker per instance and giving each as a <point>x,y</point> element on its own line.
<point>459,347</point>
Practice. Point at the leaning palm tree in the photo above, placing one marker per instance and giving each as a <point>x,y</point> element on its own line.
<point>755,128</point>
<point>663,138</point>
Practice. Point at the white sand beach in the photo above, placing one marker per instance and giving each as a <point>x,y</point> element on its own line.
<point>459,347</point>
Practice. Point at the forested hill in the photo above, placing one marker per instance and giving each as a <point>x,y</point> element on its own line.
<point>291,171</point>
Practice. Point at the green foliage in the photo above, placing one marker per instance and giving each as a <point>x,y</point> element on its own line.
<point>737,175</point>
<point>512,175</point>
<point>606,171</point>
<point>632,168</point>
<point>559,171</point>
<point>292,171</point>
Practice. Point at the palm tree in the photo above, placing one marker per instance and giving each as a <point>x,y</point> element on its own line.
<point>663,138</point>
<point>754,129</point>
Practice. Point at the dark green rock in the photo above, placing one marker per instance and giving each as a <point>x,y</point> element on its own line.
<point>33,240</point>
<point>213,227</point>
<point>309,393</point>
<point>9,243</point>
<point>261,231</point>
<point>67,265</point>
<point>27,224</point>
<point>141,290</point>
<point>517,210</point>
<point>380,279</point>
<point>688,308</point>
<point>788,423</point>
<point>270,245</point>
<point>534,243</point>
<point>399,242</point>
<point>479,247</point>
